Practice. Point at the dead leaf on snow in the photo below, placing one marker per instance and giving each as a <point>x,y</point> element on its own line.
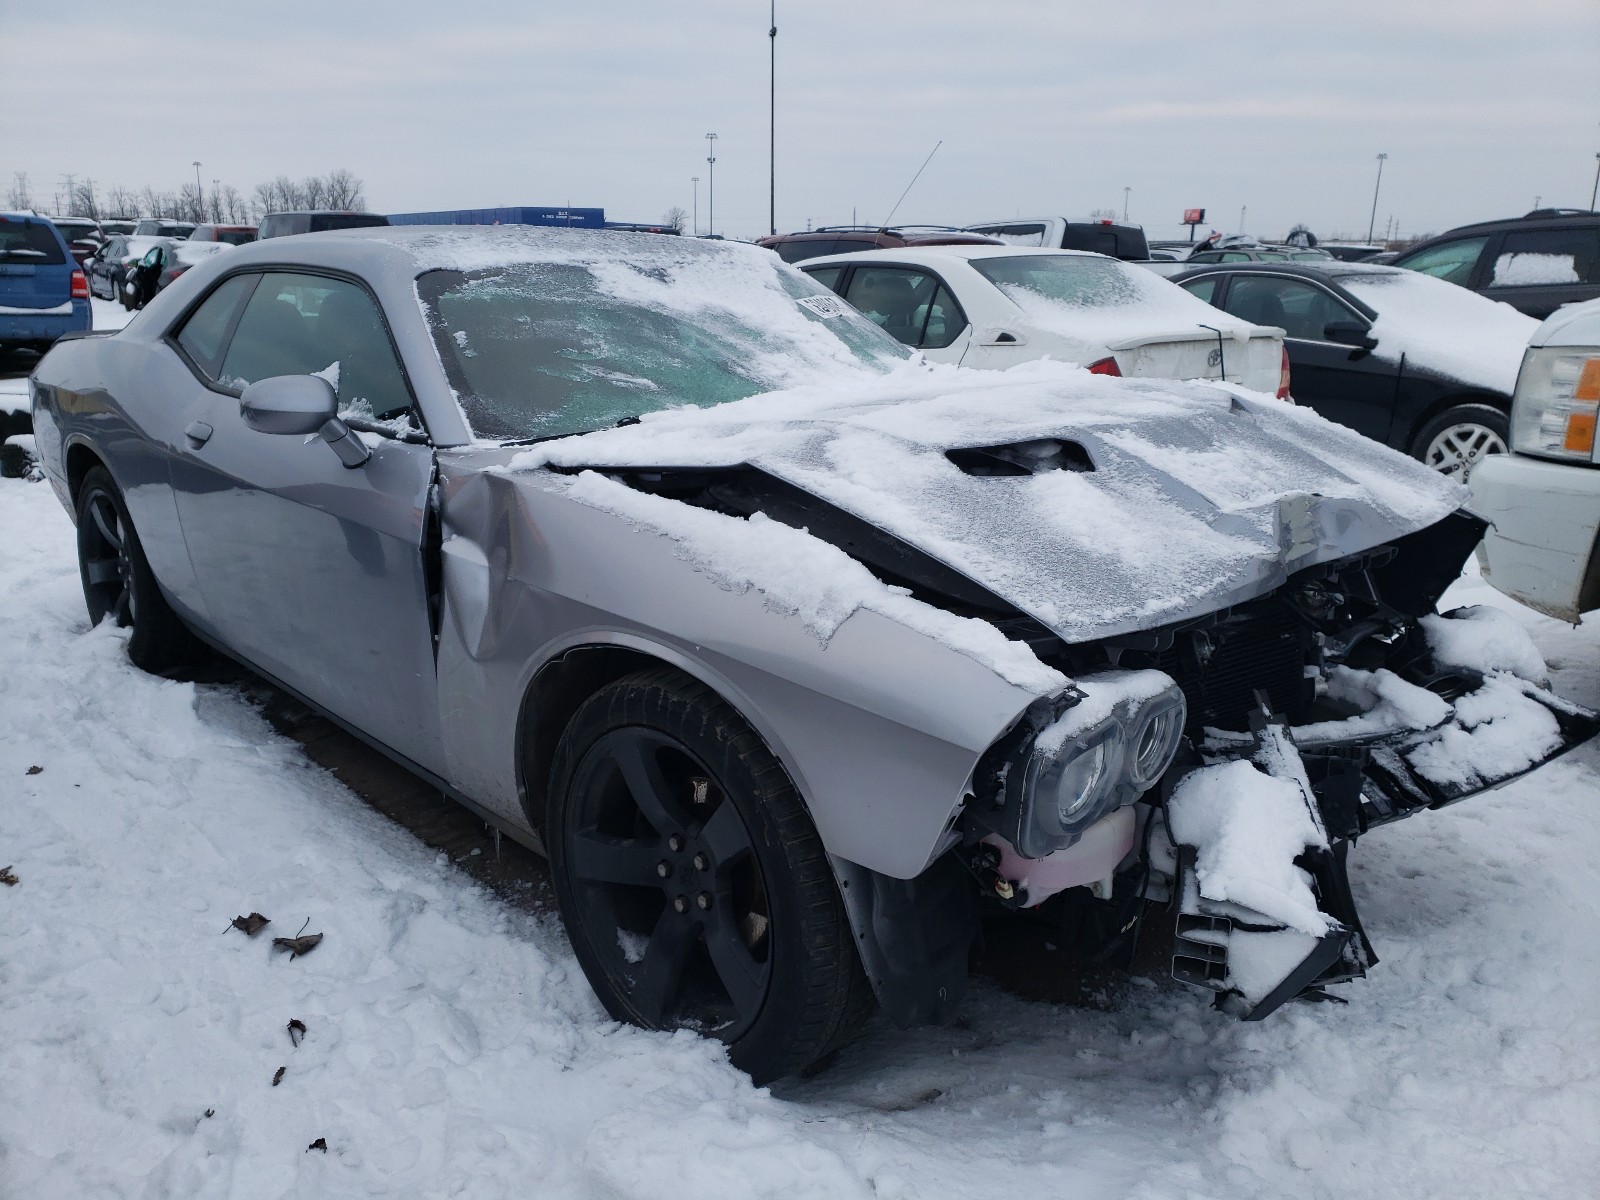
<point>251,925</point>
<point>34,770</point>
<point>277,1076</point>
<point>7,878</point>
<point>297,1031</point>
<point>319,1144</point>
<point>297,945</point>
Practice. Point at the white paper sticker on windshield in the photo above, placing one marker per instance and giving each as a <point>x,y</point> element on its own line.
<point>826,307</point>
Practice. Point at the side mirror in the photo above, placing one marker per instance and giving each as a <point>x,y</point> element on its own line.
<point>1349,333</point>
<point>302,404</point>
<point>288,404</point>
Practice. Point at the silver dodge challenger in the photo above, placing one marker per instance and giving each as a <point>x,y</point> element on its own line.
<point>797,655</point>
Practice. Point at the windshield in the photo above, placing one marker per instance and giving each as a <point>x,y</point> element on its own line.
<point>1074,279</point>
<point>545,349</point>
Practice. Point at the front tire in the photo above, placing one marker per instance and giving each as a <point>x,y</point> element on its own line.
<point>1461,437</point>
<point>692,884</point>
<point>117,580</point>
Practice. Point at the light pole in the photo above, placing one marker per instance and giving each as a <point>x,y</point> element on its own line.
<point>199,193</point>
<point>1125,192</point>
<point>772,131</point>
<point>711,185</point>
<point>695,226</point>
<point>1373,220</point>
<point>216,197</point>
<point>1595,190</point>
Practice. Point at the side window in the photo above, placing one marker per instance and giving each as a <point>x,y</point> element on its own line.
<point>828,277</point>
<point>1451,261</point>
<point>851,245</point>
<point>910,305</point>
<point>1205,256</point>
<point>892,297</point>
<point>1204,289</point>
<point>944,320</point>
<point>1233,256</point>
<point>202,334</point>
<point>309,325</point>
<point>1302,310</point>
<point>1016,235</point>
<point>1548,256</point>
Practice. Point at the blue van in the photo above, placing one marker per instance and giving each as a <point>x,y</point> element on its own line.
<point>43,292</point>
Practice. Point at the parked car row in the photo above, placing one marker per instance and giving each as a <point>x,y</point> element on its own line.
<point>797,654</point>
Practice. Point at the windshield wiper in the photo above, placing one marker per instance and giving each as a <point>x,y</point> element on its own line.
<point>24,252</point>
<point>550,437</point>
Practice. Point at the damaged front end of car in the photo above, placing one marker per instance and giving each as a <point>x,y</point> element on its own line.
<point>1224,766</point>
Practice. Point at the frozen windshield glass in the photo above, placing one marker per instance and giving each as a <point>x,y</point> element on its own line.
<point>1064,278</point>
<point>544,349</point>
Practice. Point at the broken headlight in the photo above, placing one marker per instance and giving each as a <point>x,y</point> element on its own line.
<point>1101,753</point>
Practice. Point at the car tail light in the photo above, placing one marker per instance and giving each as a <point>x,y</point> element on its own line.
<point>1557,403</point>
<point>1106,366</point>
<point>1283,378</point>
<point>80,286</point>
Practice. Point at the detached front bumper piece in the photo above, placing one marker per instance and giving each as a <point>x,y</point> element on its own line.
<point>1259,832</point>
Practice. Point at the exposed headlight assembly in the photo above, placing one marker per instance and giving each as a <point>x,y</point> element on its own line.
<point>1056,777</point>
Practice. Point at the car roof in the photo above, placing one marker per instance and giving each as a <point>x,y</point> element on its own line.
<point>1322,269</point>
<point>964,253</point>
<point>1539,217</point>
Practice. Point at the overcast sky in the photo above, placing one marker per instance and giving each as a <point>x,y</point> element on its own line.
<point>1042,108</point>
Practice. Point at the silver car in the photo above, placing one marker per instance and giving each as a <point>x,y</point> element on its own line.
<point>796,654</point>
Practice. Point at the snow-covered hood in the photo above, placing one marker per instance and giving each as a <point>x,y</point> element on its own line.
<point>1184,498</point>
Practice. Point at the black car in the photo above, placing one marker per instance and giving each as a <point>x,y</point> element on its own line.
<point>1410,361</point>
<point>1114,240</point>
<point>1534,263</point>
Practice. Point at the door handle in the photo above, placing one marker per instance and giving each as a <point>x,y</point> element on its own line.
<point>198,434</point>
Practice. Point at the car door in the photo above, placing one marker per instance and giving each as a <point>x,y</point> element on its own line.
<point>913,305</point>
<point>312,571</point>
<point>1348,384</point>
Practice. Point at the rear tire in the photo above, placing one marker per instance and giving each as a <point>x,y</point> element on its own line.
<point>692,884</point>
<point>118,582</point>
<point>1461,437</point>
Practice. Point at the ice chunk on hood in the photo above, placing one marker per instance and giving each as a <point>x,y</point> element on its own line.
<point>1198,496</point>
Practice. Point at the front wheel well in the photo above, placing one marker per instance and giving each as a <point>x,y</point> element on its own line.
<point>80,461</point>
<point>557,691</point>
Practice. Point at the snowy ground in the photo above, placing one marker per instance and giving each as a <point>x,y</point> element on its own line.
<point>453,1048</point>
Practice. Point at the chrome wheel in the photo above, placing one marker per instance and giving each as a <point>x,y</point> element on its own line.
<point>1456,449</point>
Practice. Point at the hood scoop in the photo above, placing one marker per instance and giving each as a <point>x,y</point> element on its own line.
<point>1037,457</point>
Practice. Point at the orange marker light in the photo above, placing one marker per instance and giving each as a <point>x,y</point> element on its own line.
<point>1588,381</point>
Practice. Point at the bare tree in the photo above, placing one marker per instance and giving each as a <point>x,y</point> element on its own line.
<point>674,218</point>
<point>120,202</point>
<point>232,206</point>
<point>344,190</point>
<point>19,197</point>
<point>1103,214</point>
<point>82,203</point>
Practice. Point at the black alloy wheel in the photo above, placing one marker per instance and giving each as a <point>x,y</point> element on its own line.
<point>117,580</point>
<point>692,883</point>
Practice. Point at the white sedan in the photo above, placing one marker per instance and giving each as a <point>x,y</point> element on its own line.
<point>1543,499</point>
<point>996,306</point>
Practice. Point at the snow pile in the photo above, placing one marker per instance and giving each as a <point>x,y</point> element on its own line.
<point>1442,327</point>
<point>1484,639</point>
<point>801,576</point>
<point>1388,704</point>
<point>1498,730</point>
<point>1182,513</point>
<point>1248,828</point>
<point>1522,270</point>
